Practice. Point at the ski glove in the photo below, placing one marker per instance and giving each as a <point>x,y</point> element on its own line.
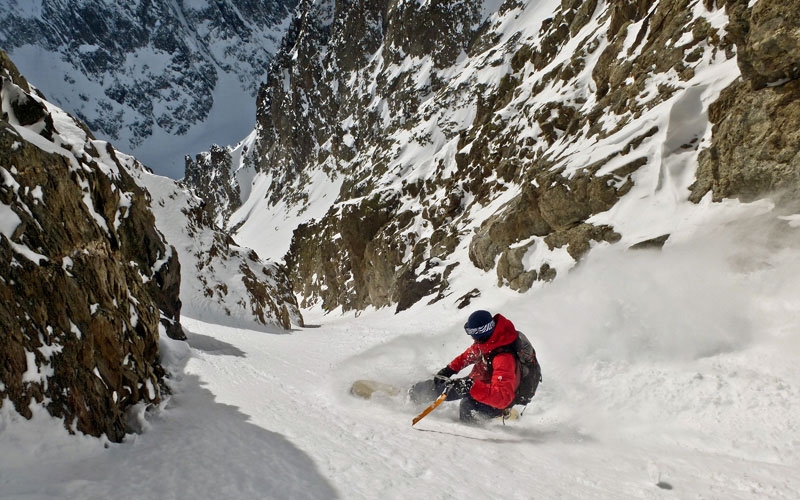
<point>442,377</point>
<point>459,386</point>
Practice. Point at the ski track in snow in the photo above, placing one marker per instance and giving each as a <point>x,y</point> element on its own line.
<point>368,449</point>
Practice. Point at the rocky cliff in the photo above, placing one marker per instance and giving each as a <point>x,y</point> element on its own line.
<point>211,174</point>
<point>87,281</point>
<point>755,148</point>
<point>146,74</point>
<point>222,282</point>
<point>524,132</point>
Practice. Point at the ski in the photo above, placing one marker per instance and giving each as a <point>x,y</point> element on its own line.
<point>366,389</point>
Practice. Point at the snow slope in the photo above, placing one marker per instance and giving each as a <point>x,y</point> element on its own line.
<point>675,368</point>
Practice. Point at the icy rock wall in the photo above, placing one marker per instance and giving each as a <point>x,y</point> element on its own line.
<point>87,282</point>
<point>513,134</point>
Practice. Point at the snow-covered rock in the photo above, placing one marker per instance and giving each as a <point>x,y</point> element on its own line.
<point>392,135</point>
<point>88,283</point>
<point>88,280</point>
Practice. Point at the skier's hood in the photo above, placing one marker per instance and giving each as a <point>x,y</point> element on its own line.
<point>504,333</point>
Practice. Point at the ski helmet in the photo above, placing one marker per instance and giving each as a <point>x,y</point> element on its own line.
<point>480,325</point>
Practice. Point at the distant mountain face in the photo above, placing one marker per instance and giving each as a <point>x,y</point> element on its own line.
<point>399,136</point>
<point>149,74</point>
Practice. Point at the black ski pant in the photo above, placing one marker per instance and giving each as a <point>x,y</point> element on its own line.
<point>470,410</point>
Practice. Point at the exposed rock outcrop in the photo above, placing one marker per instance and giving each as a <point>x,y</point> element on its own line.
<point>512,143</point>
<point>210,175</point>
<point>756,143</point>
<point>223,282</point>
<point>474,163</point>
<point>86,279</point>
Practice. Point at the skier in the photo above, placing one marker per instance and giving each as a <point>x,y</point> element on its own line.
<point>489,390</point>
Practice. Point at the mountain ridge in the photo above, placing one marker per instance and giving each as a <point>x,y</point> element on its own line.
<point>148,75</point>
<point>528,134</point>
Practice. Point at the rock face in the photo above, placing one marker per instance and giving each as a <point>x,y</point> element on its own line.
<point>135,71</point>
<point>211,176</point>
<point>222,282</point>
<point>756,144</point>
<point>86,279</point>
<point>511,130</point>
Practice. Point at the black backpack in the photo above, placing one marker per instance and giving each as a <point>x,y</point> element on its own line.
<point>530,371</point>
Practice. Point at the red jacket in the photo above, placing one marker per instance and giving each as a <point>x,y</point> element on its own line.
<point>498,389</point>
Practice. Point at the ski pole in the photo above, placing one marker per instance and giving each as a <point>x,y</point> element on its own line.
<point>429,409</point>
